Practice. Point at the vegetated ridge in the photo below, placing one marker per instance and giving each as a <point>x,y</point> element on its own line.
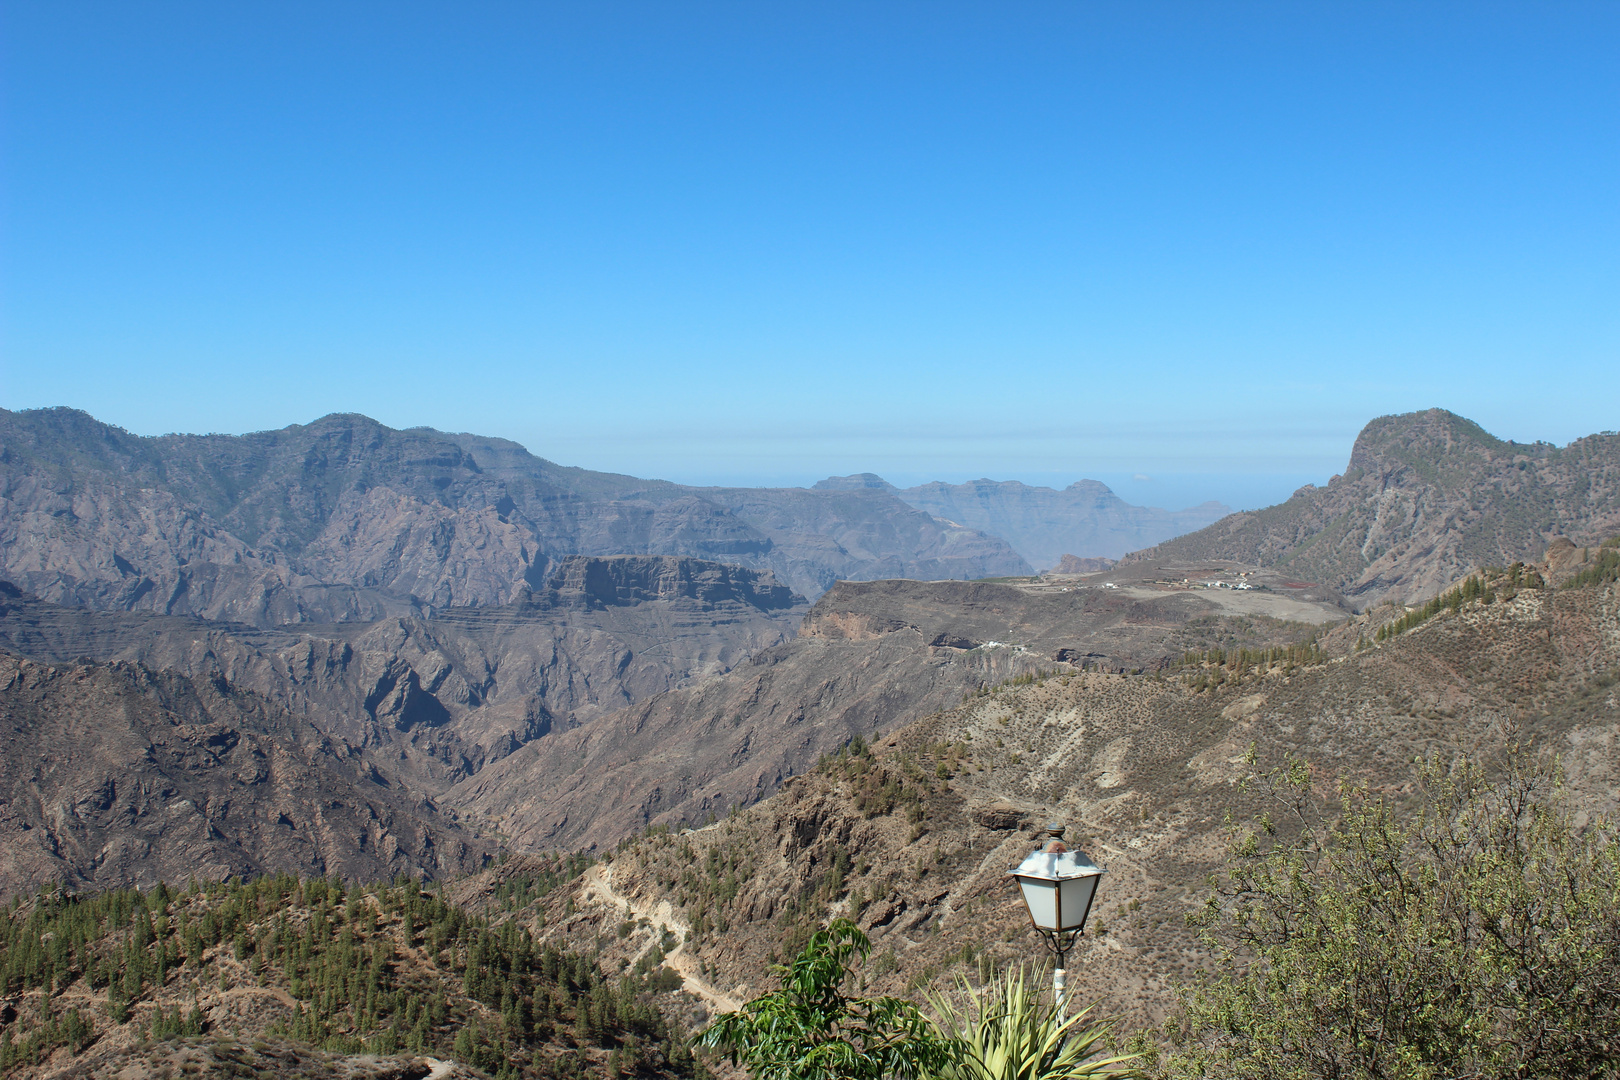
<point>1427,498</point>
<point>388,981</point>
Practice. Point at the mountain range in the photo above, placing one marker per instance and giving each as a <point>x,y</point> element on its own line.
<point>343,649</point>
<point>402,602</point>
<point>1042,523</point>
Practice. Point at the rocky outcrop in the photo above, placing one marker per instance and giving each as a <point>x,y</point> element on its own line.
<point>346,519</point>
<point>629,580</point>
<point>117,775</point>
<point>439,698</point>
<point>1427,498</point>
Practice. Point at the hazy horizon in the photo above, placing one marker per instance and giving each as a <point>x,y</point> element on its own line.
<point>726,243</point>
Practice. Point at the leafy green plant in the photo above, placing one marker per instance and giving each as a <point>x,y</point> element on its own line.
<point>809,1029</point>
<point>1009,1030</point>
<point>1476,933</point>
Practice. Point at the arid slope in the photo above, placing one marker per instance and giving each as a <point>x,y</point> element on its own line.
<point>436,699</point>
<point>117,775</point>
<point>1427,498</point>
<point>914,841</point>
<point>869,657</point>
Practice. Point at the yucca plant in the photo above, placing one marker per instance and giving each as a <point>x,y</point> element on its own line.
<point>1009,1030</point>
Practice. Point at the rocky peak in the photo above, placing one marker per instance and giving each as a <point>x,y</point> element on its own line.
<point>1428,497</point>
<point>1430,438</point>
<point>856,482</point>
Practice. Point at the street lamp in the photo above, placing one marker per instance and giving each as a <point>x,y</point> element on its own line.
<point>1058,886</point>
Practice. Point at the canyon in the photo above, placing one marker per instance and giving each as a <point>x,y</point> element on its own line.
<point>345,651</point>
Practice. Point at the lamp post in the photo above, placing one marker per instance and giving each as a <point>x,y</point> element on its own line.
<point>1058,887</point>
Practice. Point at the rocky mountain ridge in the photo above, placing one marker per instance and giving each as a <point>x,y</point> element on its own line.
<point>347,519</point>
<point>1426,498</point>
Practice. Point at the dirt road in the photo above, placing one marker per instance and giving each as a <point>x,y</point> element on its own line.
<point>598,888</point>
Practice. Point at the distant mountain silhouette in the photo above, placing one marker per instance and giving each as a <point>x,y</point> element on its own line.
<point>1044,524</point>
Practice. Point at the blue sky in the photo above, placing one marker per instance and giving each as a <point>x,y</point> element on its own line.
<point>1188,249</point>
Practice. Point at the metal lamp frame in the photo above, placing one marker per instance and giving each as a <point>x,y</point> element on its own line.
<point>1059,941</point>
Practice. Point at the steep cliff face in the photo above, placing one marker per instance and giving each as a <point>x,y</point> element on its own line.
<point>439,698</point>
<point>1426,498</point>
<point>347,519</point>
<point>117,775</point>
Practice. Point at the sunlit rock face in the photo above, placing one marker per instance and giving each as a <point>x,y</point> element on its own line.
<point>1427,497</point>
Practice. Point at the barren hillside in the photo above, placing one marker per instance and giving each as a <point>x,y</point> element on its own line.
<point>913,837</point>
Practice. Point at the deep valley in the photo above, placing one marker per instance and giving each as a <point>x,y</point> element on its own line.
<point>422,749</point>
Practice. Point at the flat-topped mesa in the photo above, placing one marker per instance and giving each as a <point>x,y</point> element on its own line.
<point>856,482</point>
<point>861,610</point>
<point>599,582</point>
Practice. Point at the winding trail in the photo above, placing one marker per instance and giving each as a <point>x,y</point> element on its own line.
<point>598,888</point>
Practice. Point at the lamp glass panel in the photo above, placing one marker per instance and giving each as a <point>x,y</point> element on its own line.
<point>1077,894</point>
<point>1041,897</point>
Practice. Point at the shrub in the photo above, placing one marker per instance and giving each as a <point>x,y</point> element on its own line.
<point>808,1029</point>
<point>1474,934</point>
